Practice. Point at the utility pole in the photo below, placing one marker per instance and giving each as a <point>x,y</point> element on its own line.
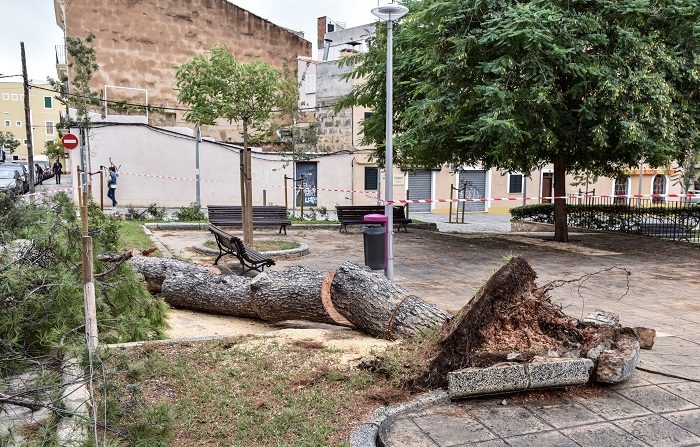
<point>86,252</point>
<point>198,138</point>
<point>28,121</point>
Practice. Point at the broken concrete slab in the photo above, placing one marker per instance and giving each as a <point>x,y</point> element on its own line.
<point>618,364</point>
<point>646,337</point>
<point>501,378</point>
<point>602,318</point>
<point>555,372</point>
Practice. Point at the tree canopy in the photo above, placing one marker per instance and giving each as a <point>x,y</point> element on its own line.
<point>595,85</point>
<point>9,142</point>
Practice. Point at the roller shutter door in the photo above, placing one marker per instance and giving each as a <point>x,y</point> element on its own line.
<point>476,188</point>
<point>420,187</point>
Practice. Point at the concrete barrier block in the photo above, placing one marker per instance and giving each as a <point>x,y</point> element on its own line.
<point>496,379</point>
<point>553,372</point>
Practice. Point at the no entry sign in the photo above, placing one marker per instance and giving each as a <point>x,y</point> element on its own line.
<point>69,141</point>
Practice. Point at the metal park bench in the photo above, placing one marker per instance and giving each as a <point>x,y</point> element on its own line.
<point>232,245</point>
<point>220,215</point>
<point>355,215</point>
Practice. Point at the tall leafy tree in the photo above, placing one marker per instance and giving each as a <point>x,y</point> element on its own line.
<point>8,142</point>
<point>588,85</point>
<point>217,86</point>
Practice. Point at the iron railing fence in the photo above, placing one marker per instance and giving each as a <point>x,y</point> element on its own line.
<point>678,220</point>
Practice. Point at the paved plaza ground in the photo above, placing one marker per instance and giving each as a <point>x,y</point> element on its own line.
<point>446,269</point>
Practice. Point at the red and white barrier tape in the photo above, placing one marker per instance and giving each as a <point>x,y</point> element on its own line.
<point>50,191</point>
<point>518,199</point>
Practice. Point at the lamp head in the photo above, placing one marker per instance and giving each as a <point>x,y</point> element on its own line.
<point>390,13</point>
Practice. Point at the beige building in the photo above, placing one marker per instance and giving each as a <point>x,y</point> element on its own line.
<point>140,43</point>
<point>45,116</point>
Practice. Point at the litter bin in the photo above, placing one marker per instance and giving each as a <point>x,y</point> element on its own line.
<point>375,246</point>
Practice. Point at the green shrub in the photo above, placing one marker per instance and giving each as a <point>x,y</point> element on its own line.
<point>190,213</point>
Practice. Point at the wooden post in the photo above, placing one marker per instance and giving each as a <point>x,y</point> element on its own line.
<point>264,197</point>
<point>408,195</point>
<point>86,255</point>
<point>452,187</point>
<point>464,204</point>
<point>102,190</point>
<point>302,197</point>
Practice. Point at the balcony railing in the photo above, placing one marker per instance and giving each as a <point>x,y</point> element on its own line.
<point>61,58</point>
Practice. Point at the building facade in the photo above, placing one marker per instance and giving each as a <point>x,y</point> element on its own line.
<point>140,45</point>
<point>44,113</point>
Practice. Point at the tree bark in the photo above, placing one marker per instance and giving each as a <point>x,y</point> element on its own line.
<point>378,306</point>
<point>561,231</point>
<point>367,300</point>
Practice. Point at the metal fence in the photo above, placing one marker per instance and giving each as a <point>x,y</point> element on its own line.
<point>677,220</point>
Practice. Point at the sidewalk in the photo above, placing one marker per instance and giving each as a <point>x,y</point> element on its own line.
<point>475,222</point>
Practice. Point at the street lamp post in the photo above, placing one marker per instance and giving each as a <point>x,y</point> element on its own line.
<point>389,14</point>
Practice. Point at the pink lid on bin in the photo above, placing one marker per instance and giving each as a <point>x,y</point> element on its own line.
<point>376,218</point>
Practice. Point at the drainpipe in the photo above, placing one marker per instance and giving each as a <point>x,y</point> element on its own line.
<point>352,181</point>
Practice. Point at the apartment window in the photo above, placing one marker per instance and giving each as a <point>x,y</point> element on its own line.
<point>371,178</point>
<point>25,142</point>
<point>6,96</point>
<point>515,183</point>
<point>15,97</point>
<point>48,102</point>
<point>49,127</point>
<point>368,114</point>
<point>19,123</point>
<point>7,123</point>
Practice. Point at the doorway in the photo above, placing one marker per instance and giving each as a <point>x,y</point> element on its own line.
<point>547,187</point>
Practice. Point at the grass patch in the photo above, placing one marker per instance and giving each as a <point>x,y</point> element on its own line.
<point>131,235</point>
<point>243,391</point>
<point>266,244</point>
<point>297,219</point>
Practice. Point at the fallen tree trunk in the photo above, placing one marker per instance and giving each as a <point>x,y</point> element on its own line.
<point>380,307</point>
<point>367,300</point>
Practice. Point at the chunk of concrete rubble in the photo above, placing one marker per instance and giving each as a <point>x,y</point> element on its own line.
<point>602,318</point>
<point>594,352</point>
<point>542,372</point>
<point>646,336</point>
<point>618,364</point>
<point>549,372</point>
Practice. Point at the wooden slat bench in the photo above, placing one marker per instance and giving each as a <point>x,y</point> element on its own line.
<point>270,216</point>
<point>355,215</point>
<point>232,245</point>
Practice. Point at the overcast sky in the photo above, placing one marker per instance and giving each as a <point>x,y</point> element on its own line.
<point>33,22</point>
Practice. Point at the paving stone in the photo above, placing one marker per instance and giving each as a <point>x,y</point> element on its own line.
<point>658,432</point>
<point>492,443</point>
<point>618,364</point>
<point>612,406</point>
<point>565,414</point>
<point>548,439</point>
<point>636,380</point>
<point>509,421</point>
<point>690,420</point>
<point>496,379</point>
<point>602,435</point>
<point>449,431</point>
<point>656,399</point>
<point>656,379</point>
<point>403,433</point>
<point>559,372</point>
<point>687,390</point>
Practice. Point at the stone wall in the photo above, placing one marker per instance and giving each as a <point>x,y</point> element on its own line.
<point>139,43</point>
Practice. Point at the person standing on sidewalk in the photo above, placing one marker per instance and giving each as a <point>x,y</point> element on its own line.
<point>39,174</point>
<point>57,171</point>
<point>112,185</point>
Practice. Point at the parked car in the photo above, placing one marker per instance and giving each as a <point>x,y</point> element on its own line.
<point>22,170</point>
<point>11,181</point>
<point>695,200</point>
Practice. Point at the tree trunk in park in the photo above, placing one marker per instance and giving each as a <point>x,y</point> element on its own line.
<point>248,212</point>
<point>561,231</point>
<point>368,300</point>
<point>243,182</point>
